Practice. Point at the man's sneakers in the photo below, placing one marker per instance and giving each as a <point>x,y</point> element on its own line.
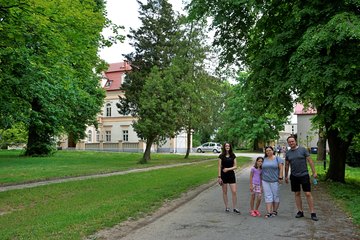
<point>300,214</point>
<point>314,217</point>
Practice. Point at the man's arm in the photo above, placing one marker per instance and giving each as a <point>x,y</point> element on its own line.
<point>312,166</point>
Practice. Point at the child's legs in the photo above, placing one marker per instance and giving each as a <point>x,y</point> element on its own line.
<point>252,200</point>
<point>258,200</point>
<point>257,191</point>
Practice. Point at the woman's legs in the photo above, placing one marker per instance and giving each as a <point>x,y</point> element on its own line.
<point>268,196</point>
<point>276,192</point>
<point>234,194</point>
<point>275,207</point>
<point>225,197</point>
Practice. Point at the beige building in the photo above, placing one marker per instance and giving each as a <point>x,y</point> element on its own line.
<point>307,136</point>
<point>115,131</point>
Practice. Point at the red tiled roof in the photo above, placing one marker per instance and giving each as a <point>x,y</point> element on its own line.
<point>299,110</point>
<point>121,66</point>
<point>114,75</point>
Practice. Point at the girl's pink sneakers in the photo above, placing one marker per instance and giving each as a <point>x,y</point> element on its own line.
<point>253,213</point>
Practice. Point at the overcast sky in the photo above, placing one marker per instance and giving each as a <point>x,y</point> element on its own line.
<point>125,13</point>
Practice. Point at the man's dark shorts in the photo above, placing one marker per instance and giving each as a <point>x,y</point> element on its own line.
<point>304,181</point>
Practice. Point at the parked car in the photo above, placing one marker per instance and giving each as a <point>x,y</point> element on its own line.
<point>209,147</point>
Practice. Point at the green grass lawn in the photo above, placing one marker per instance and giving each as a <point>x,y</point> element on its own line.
<point>347,195</point>
<point>15,169</point>
<point>74,210</point>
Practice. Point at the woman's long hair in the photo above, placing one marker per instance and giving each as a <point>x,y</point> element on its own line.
<point>223,151</point>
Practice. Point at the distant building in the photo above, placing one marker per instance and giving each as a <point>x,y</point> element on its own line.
<point>307,136</point>
<point>115,131</point>
<point>289,129</point>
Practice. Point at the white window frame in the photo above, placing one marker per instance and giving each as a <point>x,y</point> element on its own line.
<point>97,136</point>
<point>108,110</point>
<point>108,136</point>
<point>125,135</point>
<point>89,136</point>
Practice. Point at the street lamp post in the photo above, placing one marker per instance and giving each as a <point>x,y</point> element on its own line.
<point>307,141</point>
<point>324,153</point>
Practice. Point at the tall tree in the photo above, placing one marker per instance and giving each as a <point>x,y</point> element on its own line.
<point>159,106</point>
<point>155,44</point>
<point>201,97</point>
<point>50,68</point>
<point>307,49</point>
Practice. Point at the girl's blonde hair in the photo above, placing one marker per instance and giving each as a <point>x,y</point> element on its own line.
<point>255,165</point>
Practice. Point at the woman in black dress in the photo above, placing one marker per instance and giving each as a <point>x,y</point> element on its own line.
<point>226,175</point>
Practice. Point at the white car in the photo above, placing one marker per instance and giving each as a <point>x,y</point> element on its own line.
<point>209,147</point>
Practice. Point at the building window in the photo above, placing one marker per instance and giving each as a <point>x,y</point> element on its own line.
<point>125,135</point>
<point>108,136</point>
<point>89,136</point>
<point>108,110</point>
<point>108,83</point>
<point>97,136</point>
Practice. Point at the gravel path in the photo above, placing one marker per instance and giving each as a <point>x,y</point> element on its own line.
<point>47,182</point>
<point>199,215</point>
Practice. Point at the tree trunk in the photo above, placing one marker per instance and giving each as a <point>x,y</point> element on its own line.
<point>338,150</point>
<point>321,144</point>
<point>146,157</point>
<point>71,141</point>
<point>256,145</point>
<point>188,147</point>
<point>40,141</point>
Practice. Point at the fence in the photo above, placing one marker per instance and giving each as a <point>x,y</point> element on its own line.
<point>119,146</point>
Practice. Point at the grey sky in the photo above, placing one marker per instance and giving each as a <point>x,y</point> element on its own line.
<point>125,13</point>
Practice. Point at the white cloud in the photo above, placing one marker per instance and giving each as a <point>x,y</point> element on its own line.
<point>125,13</point>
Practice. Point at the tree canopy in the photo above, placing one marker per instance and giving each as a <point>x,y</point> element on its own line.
<point>168,89</point>
<point>307,51</point>
<point>50,69</point>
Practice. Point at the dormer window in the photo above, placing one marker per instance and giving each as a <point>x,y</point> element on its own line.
<point>108,83</point>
